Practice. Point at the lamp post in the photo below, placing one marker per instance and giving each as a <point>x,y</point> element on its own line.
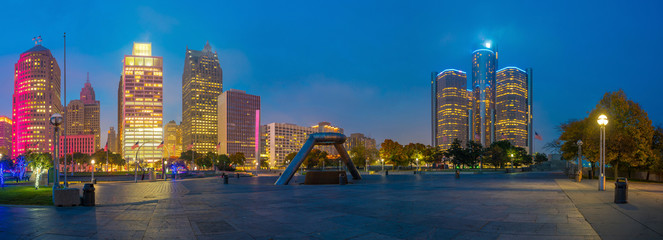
<point>92,180</point>
<point>382,160</point>
<point>418,168</point>
<point>579,173</point>
<point>56,120</point>
<point>512,162</point>
<point>602,121</point>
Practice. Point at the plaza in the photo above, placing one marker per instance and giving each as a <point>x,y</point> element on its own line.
<point>406,206</point>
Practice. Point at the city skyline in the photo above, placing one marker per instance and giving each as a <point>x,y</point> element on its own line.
<point>372,77</point>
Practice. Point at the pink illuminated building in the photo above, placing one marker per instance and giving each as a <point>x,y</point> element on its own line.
<point>36,97</point>
<point>78,144</point>
<point>239,119</point>
<point>5,136</point>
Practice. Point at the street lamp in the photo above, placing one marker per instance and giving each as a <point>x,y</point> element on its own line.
<point>382,160</point>
<point>418,168</point>
<point>512,162</point>
<point>602,121</point>
<point>56,121</point>
<point>579,173</point>
<point>92,180</point>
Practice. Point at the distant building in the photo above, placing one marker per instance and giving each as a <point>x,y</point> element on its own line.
<point>451,114</point>
<point>5,136</point>
<point>202,83</point>
<point>77,144</point>
<point>140,103</point>
<point>172,137</point>
<point>239,123</point>
<point>511,106</point>
<point>83,115</point>
<point>327,127</point>
<point>356,139</point>
<point>111,140</point>
<point>283,139</point>
<point>36,98</point>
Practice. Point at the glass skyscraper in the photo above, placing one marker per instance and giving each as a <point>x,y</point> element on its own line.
<point>451,114</point>
<point>484,62</point>
<point>511,106</point>
<point>202,83</point>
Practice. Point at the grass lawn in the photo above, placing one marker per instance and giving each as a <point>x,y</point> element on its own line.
<point>26,195</point>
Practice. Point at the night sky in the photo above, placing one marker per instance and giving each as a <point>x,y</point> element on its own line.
<point>362,65</point>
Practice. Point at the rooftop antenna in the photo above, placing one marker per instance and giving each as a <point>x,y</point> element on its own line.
<point>88,77</point>
<point>37,40</point>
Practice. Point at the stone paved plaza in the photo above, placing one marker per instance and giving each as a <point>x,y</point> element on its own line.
<point>486,206</point>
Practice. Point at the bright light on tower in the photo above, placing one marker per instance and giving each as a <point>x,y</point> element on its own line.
<point>487,44</point>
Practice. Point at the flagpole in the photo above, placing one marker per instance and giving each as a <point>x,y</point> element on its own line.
<point>64,117</point>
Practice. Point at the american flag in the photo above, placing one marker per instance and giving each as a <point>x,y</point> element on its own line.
<point>160,145</point>
<point>217,145</point>
<point>190,146</point>
<point>134,146</point>
<point>106,147</point>
<point>537,136</point>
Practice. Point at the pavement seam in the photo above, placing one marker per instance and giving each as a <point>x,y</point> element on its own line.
<point>576,206</point>
<point>623,213</point>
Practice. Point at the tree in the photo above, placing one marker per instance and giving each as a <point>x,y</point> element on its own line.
<point>187,157</point>
<point>456,153</point>
<point>540,157</point>
<point>224,161</point>
<point>393,152</point>
<point>39,162</point>
<point>237,158</point>
<point>473,154</point>
<point>359,155</point>
<point>414,151</point>
<point>315,158</point>
<point>629,133</point>
<point>289,157</point>
<point>498,153</point>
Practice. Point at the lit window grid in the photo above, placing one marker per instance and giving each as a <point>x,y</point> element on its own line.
<point>511,106</point>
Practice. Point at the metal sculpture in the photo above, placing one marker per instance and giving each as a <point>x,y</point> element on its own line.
<point>327,138</point>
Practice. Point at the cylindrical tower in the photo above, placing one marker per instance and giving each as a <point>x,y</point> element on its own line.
<point>484,62</point>
<point>511,106</point>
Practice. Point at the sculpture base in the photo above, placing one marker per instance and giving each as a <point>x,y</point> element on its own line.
<point>325,177</point>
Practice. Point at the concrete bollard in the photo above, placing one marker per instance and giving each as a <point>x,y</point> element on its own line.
<point>386,173</point>
<point>238,176</point>
<point>341,179</point>
<point>225,179</point>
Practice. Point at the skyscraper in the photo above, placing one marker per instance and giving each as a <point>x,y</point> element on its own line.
<point>239,123</point>
<point>5,136</point>
<point>83,115</point>
<point>141,104</point>
<point>484,62</point>
<point>201,86</point>
<point>172,142</point>
<point>359,139</point>
<point>36,97</point>
<point>511,106</point>
<point>111,140</point>
<point>451,116</point>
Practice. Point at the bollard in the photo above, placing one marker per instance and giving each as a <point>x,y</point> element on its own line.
<point>386,173</point>
<point>88,195</point>
<point>415,172</point>
<point>341,179</point>
<point>238,176</point>
<point>457,174</point>
<point>225,179</point>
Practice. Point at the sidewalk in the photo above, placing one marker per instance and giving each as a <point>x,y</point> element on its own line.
<point>640,218</point>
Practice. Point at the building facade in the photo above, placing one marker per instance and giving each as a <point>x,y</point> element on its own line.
<point>202,83</point>
<point>141,104</point>
<point>356,139</point>
<point>111,140</point>
<point>283,139</point>
<point>5,136</point>
<point>511,106</point>
<point>172,140</point>
<point>484,63</point>
<point>83,115</point>
<point>329,149</point>
<point>239,123</point>
<point>452,108</point>
<point>77,144</point>
<point>36,97</point>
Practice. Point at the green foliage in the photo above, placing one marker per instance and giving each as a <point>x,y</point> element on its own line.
<point>473,152</point>
<point>540,157</point>
<point>456,153</point>
<point>289,157</point>
<point>393,152</point>
<point>359,155</point>
<point>315,158</point>
<point>237,158</point>
<point>413,151</point>
<point>224,162</point>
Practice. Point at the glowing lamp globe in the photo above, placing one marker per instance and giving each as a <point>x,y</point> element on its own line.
<point>56,119</point>
<point>603,120</point>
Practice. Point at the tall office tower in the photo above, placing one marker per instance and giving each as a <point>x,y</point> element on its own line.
<point>452,108</point>
<point>172,143</point>
<point>141,104</point>
<point>327,127</point>
<point>83,115</point>
<point>239,123</point>
<point>356,139</point>
<point>283,139</point>
<point>5,136</point>
<point>36,98</point>
<point>77,144</point>
<point>111,140</point>
<point>511,106</point>
<point>201,86</point>
<point>484,62</point>
<point>530,111</point>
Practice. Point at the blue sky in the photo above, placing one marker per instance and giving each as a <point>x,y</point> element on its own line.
<point>361,65</point>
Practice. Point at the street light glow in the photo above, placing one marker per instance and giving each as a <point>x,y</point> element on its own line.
<point>603,120</point>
